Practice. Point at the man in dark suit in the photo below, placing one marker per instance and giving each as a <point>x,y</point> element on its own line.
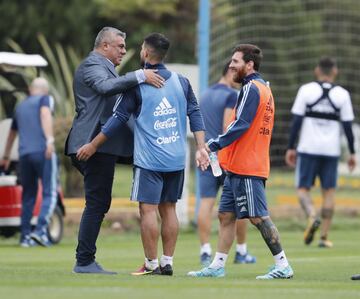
<point>97,88</point>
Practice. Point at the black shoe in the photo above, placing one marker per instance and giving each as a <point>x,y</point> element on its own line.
<point>166,270</point>
<point>313,225</point>
<point>145,271</point>
<point>355,277</point>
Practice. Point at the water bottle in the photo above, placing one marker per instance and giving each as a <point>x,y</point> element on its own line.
<point>214,163</point>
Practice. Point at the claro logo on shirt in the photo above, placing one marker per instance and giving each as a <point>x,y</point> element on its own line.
<point>168,139</point>
<point>164,108</point>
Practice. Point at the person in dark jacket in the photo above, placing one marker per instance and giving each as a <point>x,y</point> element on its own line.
<point>97,87</point>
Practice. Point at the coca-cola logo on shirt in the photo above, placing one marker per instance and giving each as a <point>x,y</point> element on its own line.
<point>169,123</point>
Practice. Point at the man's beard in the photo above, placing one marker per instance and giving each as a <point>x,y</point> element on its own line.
<point>142,61</point>
<point>239,75</point>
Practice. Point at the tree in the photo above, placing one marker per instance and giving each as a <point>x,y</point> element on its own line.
<point>174,18</point>
<point>67,22</point>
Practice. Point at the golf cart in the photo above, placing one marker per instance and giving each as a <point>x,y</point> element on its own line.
<point>12,83</point>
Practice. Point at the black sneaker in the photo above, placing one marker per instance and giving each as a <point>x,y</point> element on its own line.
<point>166,270</point>
<point>355,277</point>
<point>313,225</point>
<point>145,271</point>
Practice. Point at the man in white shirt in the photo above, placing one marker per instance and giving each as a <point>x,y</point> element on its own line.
<point>319,109</point>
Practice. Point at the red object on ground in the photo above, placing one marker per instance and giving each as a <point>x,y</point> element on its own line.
<point>10,201</point>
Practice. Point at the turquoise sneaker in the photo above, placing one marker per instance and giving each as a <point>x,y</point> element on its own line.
<point>277,273</point>
<point>208,272</point>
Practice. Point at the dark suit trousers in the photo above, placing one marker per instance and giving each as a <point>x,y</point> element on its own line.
<point>98,174</point>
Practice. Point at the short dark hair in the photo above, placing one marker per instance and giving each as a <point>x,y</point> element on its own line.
<point>158,43</point>
<point>251,53</point>
<point>326,64</point>
<point>226,68</point>
<point>105,35</point>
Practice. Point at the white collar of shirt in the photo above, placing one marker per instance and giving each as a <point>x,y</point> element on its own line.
<point>110,62</point>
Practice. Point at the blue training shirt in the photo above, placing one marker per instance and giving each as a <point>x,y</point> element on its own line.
<point>27,122</point>
<point>160,128</point>
<point>181,95</point>
<point>213,103</point>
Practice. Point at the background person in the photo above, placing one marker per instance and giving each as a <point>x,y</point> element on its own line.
<point>216,105</point>
<point>160,150</point>
<point>33,122</point>
<point>96,88</point>
<point>247,161</point>
<point>319,110</point>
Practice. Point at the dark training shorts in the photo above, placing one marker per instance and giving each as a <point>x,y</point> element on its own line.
<point>308,167</point>
<point>209,184</point>
<point>155,187</point>
<point>244,196</point>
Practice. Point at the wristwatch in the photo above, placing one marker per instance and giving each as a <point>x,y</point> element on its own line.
<point>50,140</point>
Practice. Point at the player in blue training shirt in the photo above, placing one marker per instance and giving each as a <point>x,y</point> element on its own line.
<point>159,151</point>
<point>33,122</point>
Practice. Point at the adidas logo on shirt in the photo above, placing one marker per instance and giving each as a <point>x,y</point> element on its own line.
<point>164,108</point>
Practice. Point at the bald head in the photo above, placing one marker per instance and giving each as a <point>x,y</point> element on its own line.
<point>39,86</point>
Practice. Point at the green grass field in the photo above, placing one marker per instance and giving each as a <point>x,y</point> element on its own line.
<point>280,182</point>
<point>319,273</point>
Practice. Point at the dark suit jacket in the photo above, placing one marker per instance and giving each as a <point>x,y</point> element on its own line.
<point>97,86</point>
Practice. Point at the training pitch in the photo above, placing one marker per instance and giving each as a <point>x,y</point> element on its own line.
<point>319,273</point>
